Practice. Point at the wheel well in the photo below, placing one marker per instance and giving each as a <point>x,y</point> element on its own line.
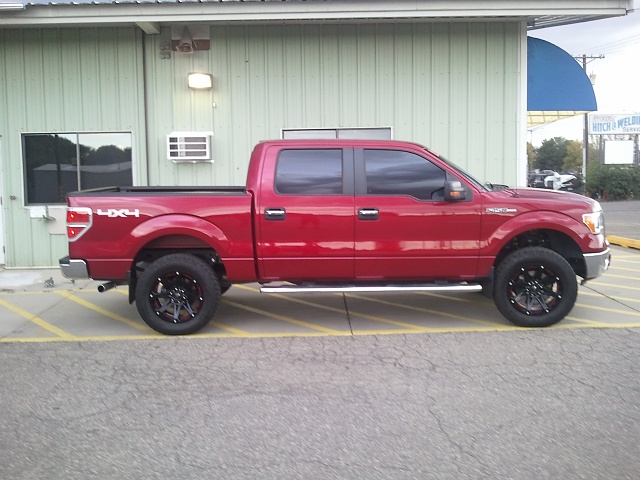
<point>559,242</point>
<point>168,245</point>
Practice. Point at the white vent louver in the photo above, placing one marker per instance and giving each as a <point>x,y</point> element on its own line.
<point>189,147</point>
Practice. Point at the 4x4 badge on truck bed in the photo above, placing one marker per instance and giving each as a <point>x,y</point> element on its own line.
<point>123,213</point>
<point>501,210</point>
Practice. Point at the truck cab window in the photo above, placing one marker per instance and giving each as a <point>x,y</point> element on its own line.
<point>394,172</point>
<point>309,172</point>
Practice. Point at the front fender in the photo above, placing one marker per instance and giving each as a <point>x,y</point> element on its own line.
<point>541,220</point>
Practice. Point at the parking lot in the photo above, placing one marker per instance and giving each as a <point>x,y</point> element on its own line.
<point>71,312</point>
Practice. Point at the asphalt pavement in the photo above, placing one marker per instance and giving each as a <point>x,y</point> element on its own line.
<point>410,401</point>
<point>518,405</point>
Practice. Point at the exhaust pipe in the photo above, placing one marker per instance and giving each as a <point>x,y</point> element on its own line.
<point>106,286</point>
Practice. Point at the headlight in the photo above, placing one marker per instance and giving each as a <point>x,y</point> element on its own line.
<point>594,221</point>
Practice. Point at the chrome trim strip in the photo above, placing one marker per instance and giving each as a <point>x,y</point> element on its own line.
<point>467,287</point>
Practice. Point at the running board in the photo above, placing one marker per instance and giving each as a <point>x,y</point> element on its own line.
<point>413,287</point>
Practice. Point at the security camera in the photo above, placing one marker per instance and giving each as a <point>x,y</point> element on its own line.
<point>186,44</point>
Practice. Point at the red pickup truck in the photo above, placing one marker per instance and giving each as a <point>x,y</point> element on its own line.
<point>337,215</point>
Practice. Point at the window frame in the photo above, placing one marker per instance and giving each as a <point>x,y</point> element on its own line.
<point>347,172</point>
<point>78,134</point>
<point>362,182</point>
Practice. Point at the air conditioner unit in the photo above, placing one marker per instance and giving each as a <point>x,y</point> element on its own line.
<point>189,147</point>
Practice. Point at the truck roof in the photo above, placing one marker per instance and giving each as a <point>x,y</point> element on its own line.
<point>324,142</point>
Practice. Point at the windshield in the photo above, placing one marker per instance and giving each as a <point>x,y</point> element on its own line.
<point>461,172</point>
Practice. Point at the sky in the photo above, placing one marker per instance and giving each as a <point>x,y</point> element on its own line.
<point>617,75</point>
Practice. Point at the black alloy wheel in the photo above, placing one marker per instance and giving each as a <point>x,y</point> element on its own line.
<point>535,287</point>
<point>177,294</point>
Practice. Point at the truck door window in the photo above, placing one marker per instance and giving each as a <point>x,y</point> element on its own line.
<point>394,172</point>
<point>309,172</point>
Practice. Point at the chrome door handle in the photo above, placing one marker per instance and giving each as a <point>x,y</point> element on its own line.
<point>368,214</point>
<point>275,214</point>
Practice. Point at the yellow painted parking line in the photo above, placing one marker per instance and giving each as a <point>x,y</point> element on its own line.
<point>103,311</point>
<point>584,323</point>
<point>626,258</point>
<point>610,310</point>
<point>227,328</point>
<point>376,318</point>
<point>428,310</point>
<point>470,329</point>
<point>603,284</point>
<point>37,320</point>
<point>282,318</point>
<point>617,298</point>
<point>441,295</point>
<point>611,275</point>
<point>109,338</point>
<point>623,269</point>
<point>341,311</point>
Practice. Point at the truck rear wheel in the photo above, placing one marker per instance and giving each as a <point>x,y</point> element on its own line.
<point>535,287</point>
<point>177,294</point>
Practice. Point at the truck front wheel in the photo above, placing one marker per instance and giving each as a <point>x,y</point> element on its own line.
<point>177,294</point>
<point>535,287</point>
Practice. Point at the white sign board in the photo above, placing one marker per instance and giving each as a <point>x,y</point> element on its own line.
<point>618,152</point>
<point>614,124</point>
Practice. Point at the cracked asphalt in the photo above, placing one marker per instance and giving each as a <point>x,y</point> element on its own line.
<point>83,398</point>
<point>519,404</point>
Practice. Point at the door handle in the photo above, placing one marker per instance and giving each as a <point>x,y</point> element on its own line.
<point>274,214</point>
<point>368,214</point>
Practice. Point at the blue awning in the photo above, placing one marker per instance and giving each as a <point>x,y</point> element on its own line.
<point>557,86</point>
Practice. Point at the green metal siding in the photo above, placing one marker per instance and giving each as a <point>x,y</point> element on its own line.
<point>452,86</point>
<point>59,80</point>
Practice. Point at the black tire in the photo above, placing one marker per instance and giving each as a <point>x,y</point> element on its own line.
<point>224,286</point>
<point>177,294</point>
<point>535,287</point>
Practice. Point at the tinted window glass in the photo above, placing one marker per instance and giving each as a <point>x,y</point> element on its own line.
<point>56,164</point>
<point>309,172</point>
<point>393,172</point>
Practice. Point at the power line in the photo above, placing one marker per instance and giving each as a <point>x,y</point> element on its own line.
<point>616,45</point>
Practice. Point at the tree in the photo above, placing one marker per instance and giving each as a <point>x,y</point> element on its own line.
<point>531,156</point>
<point>573,159</point>
<point>551,154</point>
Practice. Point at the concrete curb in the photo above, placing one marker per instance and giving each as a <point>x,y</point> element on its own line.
<point>624,242</point>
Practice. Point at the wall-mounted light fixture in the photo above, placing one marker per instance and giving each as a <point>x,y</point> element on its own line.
<point>200,81</point>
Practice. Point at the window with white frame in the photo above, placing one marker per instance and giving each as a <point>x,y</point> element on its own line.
<point>58,163</point>
<point>359,133</point>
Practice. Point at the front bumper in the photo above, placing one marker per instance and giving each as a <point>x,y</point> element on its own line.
<point>72,268</point>
<point>596,263</point>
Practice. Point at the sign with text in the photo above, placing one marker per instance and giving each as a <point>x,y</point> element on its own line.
<point>614,124</point>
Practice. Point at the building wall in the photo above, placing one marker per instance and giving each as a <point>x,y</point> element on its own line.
<point>452,86</point>
<point>455,87</point>
<point>62,80</point>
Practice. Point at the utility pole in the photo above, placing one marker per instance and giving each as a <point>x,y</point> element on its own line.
<point>585,138</point>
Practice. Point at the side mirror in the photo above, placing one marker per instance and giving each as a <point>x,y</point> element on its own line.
<point>454,191</point>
